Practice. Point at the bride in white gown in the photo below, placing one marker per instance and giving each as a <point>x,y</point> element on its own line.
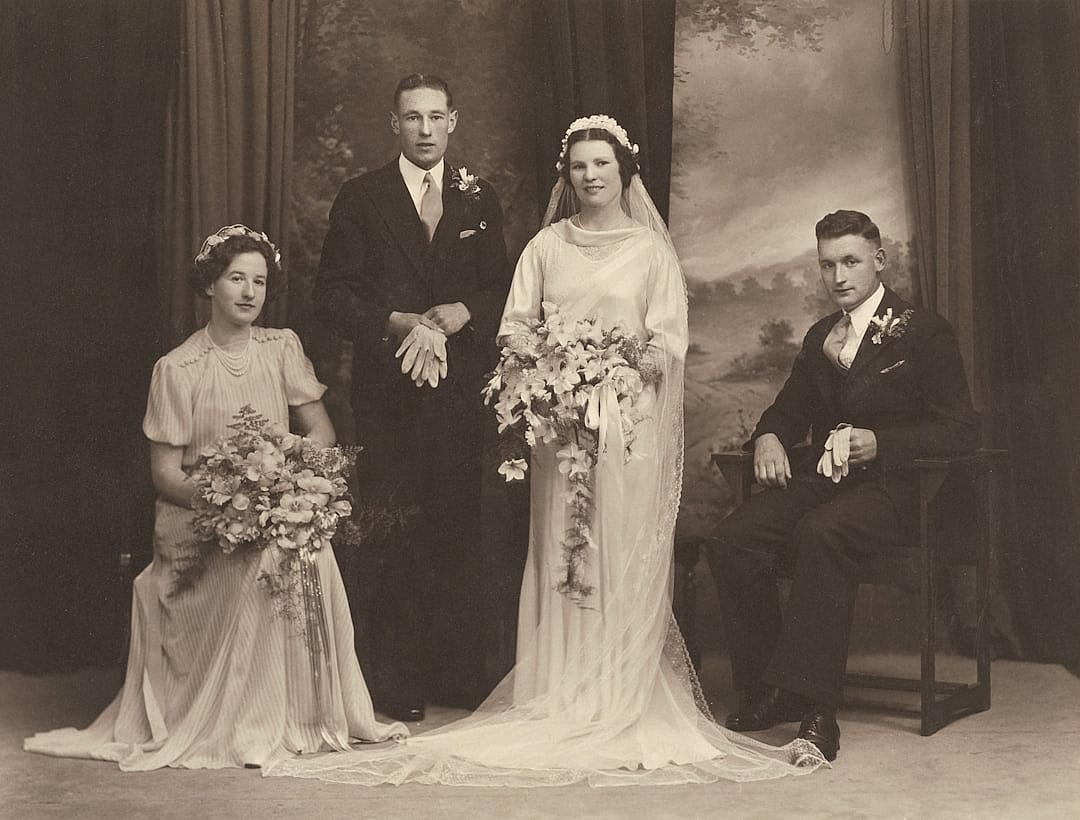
<point>602,690</point>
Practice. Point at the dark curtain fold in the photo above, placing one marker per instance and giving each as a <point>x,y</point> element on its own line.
<point>612,57</point>
<point>230,140</point>
<point>936,86</point>
<point>1026,240</point>
<point>82,86</point>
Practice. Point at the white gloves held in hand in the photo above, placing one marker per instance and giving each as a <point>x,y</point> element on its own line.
<point>423,355</point>
<point>834,460</point>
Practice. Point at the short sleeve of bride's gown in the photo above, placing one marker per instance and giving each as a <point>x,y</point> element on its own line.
<point>301,386</point>
<point>665,313</point>
<point>527,289</point>
<point>168,409</point>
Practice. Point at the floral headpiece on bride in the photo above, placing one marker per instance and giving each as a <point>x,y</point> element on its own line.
<point>603,122</point>
<point>229,231</point>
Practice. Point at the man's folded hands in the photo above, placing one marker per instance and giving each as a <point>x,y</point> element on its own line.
<point>423,355</point>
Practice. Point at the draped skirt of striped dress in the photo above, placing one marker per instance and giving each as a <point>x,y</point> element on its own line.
<point>216,677</point>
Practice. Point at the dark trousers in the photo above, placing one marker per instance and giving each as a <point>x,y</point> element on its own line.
<point>416,591</point>
<point>819,532</point>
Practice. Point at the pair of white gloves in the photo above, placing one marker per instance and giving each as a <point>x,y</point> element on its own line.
<point>834,459</point>
<point>423,355</point>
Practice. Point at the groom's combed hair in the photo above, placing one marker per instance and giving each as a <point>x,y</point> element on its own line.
<point>414,81</point>
<point>847,223</point>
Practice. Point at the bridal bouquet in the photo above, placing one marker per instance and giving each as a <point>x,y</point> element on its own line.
<point>561,381</point>
<point>260,488</point>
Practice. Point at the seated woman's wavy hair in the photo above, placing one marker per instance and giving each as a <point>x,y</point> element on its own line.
<point>207,271</point>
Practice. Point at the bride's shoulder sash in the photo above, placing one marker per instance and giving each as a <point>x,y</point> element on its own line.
<point>605,274</point>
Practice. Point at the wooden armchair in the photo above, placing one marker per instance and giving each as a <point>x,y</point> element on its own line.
<point>945,485</point>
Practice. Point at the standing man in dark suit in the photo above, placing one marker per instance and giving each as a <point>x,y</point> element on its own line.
<point>876,384</point>
<point>414,264</point>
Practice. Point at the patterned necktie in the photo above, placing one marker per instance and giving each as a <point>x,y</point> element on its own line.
<point>430,206</point>
<point>839,347</point>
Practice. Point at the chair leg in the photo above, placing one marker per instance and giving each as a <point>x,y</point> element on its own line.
<point>988,501</point>
<point>928,617</point>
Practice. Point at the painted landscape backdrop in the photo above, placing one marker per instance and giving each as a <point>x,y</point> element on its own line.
<point>784,110</point>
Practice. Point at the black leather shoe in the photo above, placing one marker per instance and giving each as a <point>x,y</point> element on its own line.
<point>407,711</point>
<point>763,711</point>
<point>819,726</point>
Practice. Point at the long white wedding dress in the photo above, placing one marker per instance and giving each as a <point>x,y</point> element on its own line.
<point>602,690</point>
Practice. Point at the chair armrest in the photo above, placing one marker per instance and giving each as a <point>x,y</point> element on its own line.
<point>982,459</point>
<point>737,468</point>
<point>934,471</point>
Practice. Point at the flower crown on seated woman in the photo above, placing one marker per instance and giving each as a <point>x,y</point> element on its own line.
<point>212,259</point>
<point>229,231</point>
<point>602,122</point>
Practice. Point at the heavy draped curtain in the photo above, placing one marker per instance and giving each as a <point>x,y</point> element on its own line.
<point>991,93</point>
<point>131,131</point>
<point>936,79</point>
<point>229,132</point>
<point>612,57</point>
<point>1025,98</point>
<point>81,88</point>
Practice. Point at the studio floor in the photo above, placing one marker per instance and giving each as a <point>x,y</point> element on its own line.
<point>1021,759</point>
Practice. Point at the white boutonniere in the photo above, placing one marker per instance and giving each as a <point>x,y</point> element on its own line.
<point>467,183</point>
<point>889,326</point>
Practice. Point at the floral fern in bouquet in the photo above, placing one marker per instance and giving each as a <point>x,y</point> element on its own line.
<point>559,381</point>
<point>260,488</point>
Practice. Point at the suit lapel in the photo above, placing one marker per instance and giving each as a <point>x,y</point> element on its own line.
<point>396,206</point>
<point>868,350</point>
<point>823,368</point>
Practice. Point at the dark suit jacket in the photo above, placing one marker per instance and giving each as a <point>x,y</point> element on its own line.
<point>376,259</point>
<point>909,389</point>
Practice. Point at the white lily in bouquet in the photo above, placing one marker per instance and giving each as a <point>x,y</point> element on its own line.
<point>562,381</point>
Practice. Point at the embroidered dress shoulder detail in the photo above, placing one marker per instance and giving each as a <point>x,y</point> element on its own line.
<point>192,351</point>
<point>262,335</point>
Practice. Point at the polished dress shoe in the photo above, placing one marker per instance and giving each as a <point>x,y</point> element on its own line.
<point>819,726</point>
<point>407,709</point>
<point>764,709</point>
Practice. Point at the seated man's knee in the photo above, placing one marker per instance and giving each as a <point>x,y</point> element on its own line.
<point>816,528</point>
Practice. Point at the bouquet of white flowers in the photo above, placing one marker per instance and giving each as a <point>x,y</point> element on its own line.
<point>261,488</point>
<point>556,381</point>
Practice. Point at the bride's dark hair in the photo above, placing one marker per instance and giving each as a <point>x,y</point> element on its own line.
<point>628,164</point>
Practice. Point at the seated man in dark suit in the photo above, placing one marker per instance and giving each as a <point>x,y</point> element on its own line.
<point>876,384</point>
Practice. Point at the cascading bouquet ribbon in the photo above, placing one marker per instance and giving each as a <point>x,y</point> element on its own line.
<point>572,383</point>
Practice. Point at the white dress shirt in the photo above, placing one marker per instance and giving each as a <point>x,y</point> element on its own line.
<point>414,179</point>
<point>860,321</point>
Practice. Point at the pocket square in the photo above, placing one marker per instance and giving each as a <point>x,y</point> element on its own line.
<point>893,367</point>
<point>466,234</point>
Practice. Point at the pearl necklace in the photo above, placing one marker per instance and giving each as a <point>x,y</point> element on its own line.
<point>236,363</point>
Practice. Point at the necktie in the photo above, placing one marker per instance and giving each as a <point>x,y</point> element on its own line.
<point>839,346</point>
<point>430,206</point>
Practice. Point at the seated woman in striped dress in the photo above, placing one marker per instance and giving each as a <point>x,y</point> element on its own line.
<point>216,677</point>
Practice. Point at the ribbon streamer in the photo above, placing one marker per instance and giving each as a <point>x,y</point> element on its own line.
<point>602,414</point>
